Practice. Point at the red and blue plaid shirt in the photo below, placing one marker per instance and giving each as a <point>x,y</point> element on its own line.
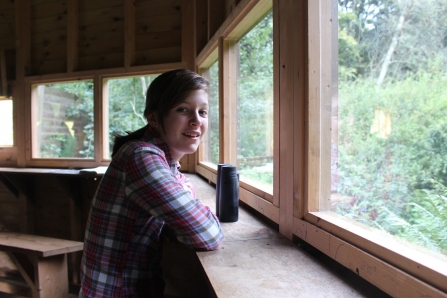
<point>141,192</point>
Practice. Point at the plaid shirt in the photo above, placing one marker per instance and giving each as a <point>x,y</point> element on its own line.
<point>141,191</point>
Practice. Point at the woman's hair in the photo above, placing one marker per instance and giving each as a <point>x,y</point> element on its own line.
<point>163,94</point>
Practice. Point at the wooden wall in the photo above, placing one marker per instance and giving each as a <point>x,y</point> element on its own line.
<point>47,205</point>
<point>59,39</point>
<point>58,206</point>
<point>77,35</point>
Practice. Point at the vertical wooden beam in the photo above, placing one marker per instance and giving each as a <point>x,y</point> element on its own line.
<point>76,233</point>
<point>320,106</point>
<point>27,211</point>
<point>216,16</point>
<point>189,55</point>
<point>202,19</point>
<point>129,33</point>
<point>228,52</point>
<point>286,129</point>
<point>300,103</point>
<point>332,124</point>
<point>313,187</point>
<point>98,130</point>
<point>72,35</point>
<point>188,34</point>
<point>290,121</point>
<point>325,107</point>
<point>50,276</point>
<point>23,68</point>
<point>4,81</point>
<point>276,103</point>
<point>104,114</point>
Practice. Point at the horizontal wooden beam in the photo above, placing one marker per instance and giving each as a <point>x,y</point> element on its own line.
<point>381,274</point>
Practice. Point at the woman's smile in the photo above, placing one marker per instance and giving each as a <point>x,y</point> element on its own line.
<point>185,124</point>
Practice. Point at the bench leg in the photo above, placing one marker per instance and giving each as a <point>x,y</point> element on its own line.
<point>48,278</point>
<point>51,277</point>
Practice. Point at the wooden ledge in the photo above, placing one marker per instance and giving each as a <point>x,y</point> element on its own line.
<point>256,261</point>
<point>37,245</point>
<point>53,171</point>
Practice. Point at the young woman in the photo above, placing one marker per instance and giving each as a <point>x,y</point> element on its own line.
<point>143,192</point>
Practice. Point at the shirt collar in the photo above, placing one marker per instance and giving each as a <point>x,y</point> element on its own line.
<point>153,136</point>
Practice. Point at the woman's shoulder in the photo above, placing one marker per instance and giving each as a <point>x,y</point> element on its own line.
<point>140,145</point>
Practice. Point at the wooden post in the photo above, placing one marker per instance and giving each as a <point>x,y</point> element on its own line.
<point>228,54</point>
<point>23,67</point>
<point>291,116</point>
<point>129,33</point>
<point>189,59</point>
<point>3,80</point>
<point>72,35</point>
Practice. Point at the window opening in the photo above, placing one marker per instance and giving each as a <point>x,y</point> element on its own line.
<point>255,105</point>
<point>126,101</point>
<point>389,136</point>
<point>6,123</point>
<point>64,120</point>
<point>210,145</point>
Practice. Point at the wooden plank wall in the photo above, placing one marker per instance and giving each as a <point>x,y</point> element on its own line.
<point>48,36</point>
<point>57,39</point>
<point>58,207</point>
<point>158,31</point>
<point>101,34</point>
<point>80,35</point>
<point>59,212</point>
<point>11,215</point>
<point>7,35</point>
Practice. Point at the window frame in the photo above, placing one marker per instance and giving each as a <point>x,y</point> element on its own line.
<point>31,130</point>
<point>384,261</point>
<point>300,197</point>
<point>8,153</point>
<point>202,67</point>
<point>225,44</point>
<point>100,88</point>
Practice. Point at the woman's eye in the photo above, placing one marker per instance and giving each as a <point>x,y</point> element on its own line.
<point>181,110</point>
<point>203,113</point>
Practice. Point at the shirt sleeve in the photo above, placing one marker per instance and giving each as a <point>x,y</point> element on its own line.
<point>151,185</point>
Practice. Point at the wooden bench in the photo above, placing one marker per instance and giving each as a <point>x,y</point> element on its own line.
<point>42,261</point>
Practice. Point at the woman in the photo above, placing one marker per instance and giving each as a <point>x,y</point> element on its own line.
<point>143,191</point>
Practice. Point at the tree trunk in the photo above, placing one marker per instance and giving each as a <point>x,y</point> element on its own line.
<point>389,54</point>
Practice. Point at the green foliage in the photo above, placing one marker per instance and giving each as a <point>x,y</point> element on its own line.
<point>428,217</point>
<point>387,177</point>
<point>81,113</point>
<point>374,23</point>
<point>349,56</point>
<point>255,104</point>
<point>256,89</point>
<point>127,98</point>
<point>263,175</point>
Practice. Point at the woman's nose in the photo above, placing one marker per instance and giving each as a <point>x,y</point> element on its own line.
<point>195,120</point>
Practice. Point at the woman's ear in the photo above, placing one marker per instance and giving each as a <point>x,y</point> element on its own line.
<point>152,119</point>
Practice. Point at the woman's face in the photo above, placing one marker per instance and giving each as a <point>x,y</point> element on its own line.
<point>185,124</point>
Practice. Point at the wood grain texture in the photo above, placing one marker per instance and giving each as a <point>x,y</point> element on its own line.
<point>422,263</point>
<point>37,245</point>
<point>256,261</point>
<point>388,278</point>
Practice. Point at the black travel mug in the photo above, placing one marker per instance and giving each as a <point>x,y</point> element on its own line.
<point>229,194</point>
<point>219,167</point>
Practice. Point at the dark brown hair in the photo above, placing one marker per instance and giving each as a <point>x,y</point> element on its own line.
<point>163,94</point>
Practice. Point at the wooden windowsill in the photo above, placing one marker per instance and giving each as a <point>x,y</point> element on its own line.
<point>255,260</point>
<point>98,171</point>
